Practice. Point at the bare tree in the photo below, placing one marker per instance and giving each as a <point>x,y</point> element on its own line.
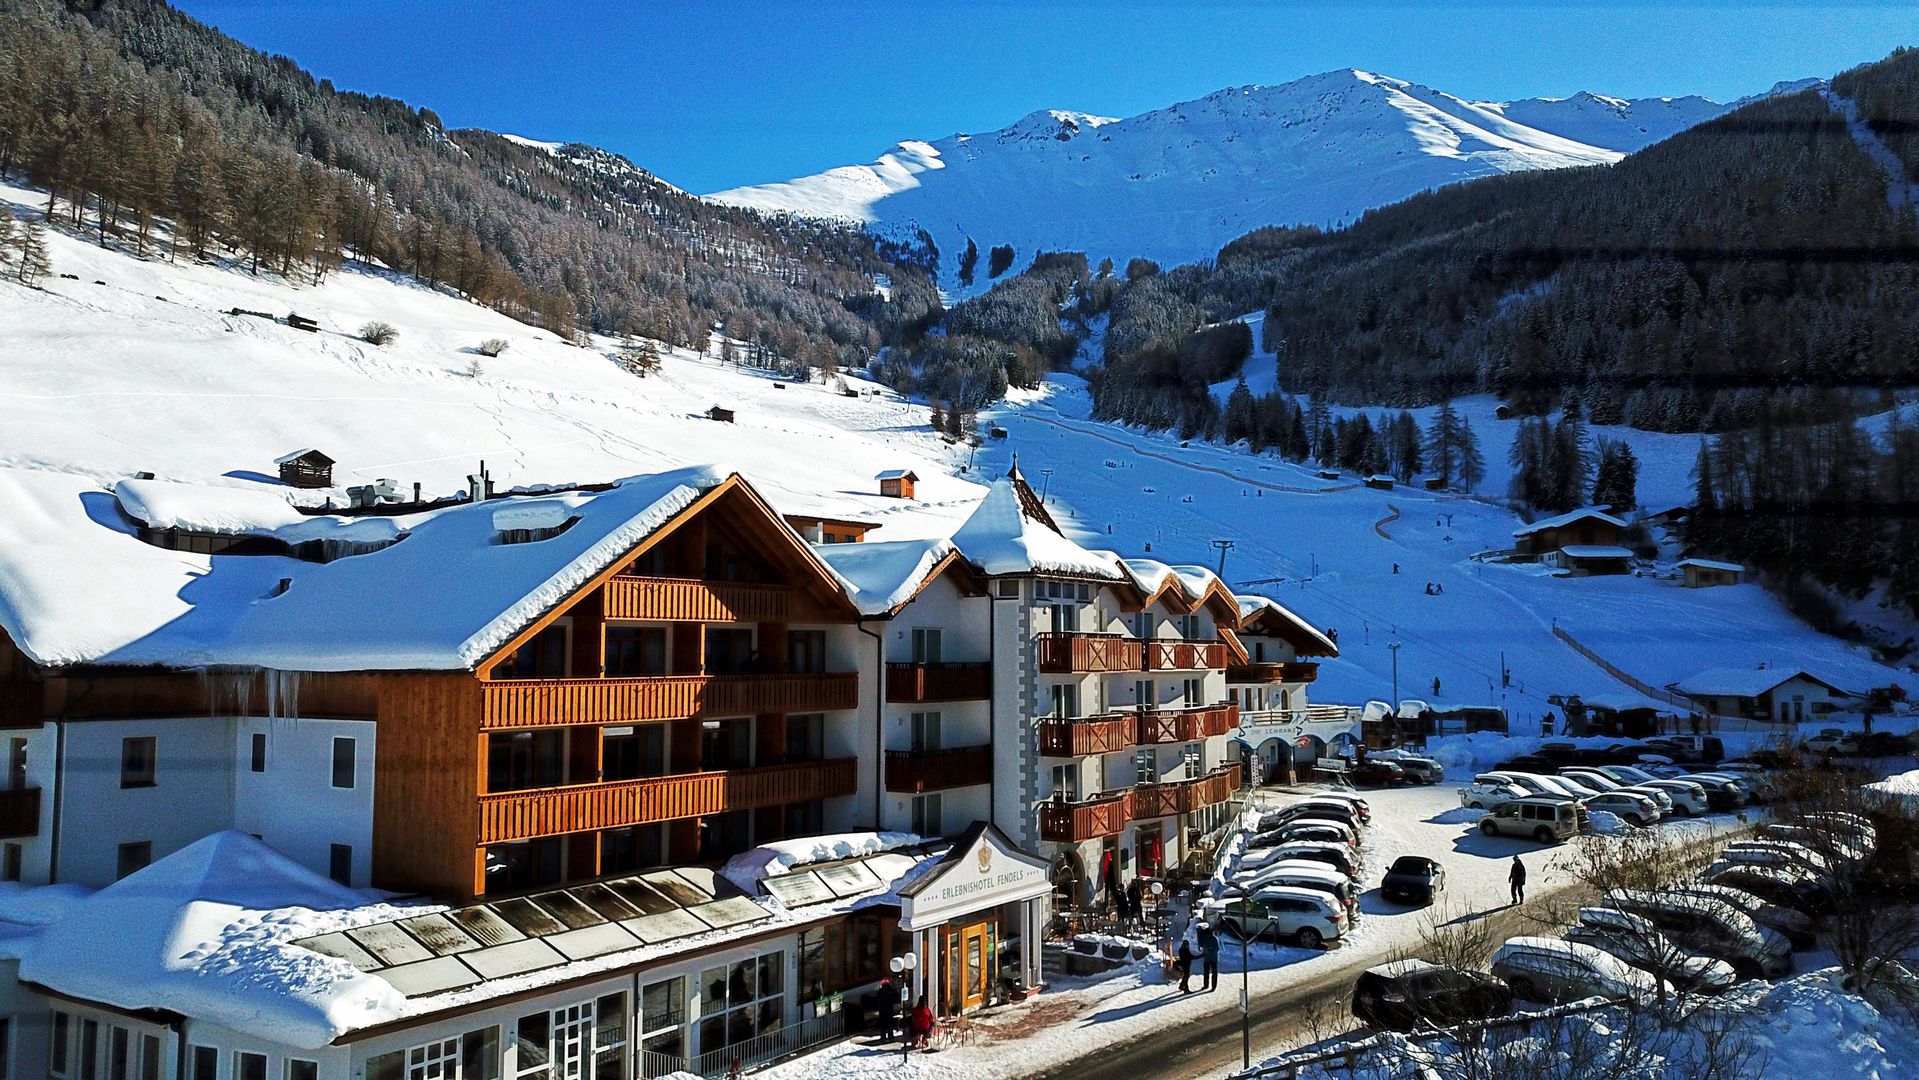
<point>379,333</point>
<point>493,346</point>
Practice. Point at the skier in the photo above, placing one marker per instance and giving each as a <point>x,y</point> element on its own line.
<point>1518,881</point>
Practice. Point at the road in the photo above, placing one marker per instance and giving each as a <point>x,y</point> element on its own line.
<point>1210,1048</point>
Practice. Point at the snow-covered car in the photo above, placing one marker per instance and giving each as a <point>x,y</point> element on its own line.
<point>1307,917</point>
<point>1569,786</point>
<point>1791,886</point>
<point>1548,969</point>
<point>1638,810</point>
<point>1484,792</point>
<point>1796,925</point>
<point>1357,802</point>
<point>1338,856</point>
<point>1634,939</point>
<point>1829,842</point>
<point>1778,852</point>
<point>1855,825</point>
<point>1626,774</point>
<point>1688,799</point>
<point>1302,874</point>
<point>1532,782</point>
<point>1706,925</point>
<point>1657,794</point>
<point>1592,778</point>
<point>1661,767</point>
<point>1332,832</point>
<point>1332,809</point>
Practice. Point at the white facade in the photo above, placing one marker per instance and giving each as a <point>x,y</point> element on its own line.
<point>940,625</point>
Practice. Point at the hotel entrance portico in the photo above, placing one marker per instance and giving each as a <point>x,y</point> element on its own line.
<point>975,921</point>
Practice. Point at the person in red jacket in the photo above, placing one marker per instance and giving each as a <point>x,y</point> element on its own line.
<point>919,1026</point>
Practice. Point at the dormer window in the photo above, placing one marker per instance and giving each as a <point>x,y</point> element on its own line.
<point>534,536</point>
<point>530,523</point>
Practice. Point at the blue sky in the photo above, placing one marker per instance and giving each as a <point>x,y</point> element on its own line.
<point>719,93</point>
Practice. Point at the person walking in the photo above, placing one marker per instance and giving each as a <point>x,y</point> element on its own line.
<point>1209,956</point>
<point>887,1000</point>
<point>1135,902</point>
<point>1517,879</point>
<point>1183,964</point>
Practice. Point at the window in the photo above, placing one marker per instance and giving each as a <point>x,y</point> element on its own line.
<point>1146,693</point>
<point>663,1017</point>
<point>526,864</point>
<point>1189,627</point>
<point>340,863</point>
<point>742,1000</point>
<point>635,650</point>
<point>473,1056</point>
<point>1066,782</point>
<point>1195,758</point>
<point>137,762</point>
<point>926,815</point>
<point>343,755</point>
<point>926,732</point>
<point>249,1066</point>
<point>518,760</point>
<point>1009,587</point>
<point>6,1047</point>
<point>1194,692</point>
<point>729,651</point>
<point>1065,618</point>
<point>300,1069</point>
<point>609,1037</point>
<point>723,836</point>
<point>16,764</point>
<point>134,857</point>
<point>633,753</point>
<point>1065,699</point>
<point>257,761</point>
<point>1142,625</point>
<point>1146,765</point>
<point>119,1053</point>
<point>637,847</point>
<point>806,652</point>
<point>90,1049</point>
<point>543,657</point>
<point>479,1055</point>
<point>530,1044</point>
<point>150,1057</point>
<point>10,862</point>
<point>726,744</point>
<point>60,1044</point>
<point>805,737</point>
<point>926,645</point>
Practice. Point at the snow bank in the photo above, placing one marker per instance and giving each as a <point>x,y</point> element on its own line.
<point>750,867</point>
<point>206,932</point>
<point>163,504</point>
<point>1903,786</point>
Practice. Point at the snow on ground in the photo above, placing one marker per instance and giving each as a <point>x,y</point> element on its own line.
<point>1327,549</point>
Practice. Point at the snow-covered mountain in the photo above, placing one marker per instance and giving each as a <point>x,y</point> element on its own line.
<point>1177,183</point>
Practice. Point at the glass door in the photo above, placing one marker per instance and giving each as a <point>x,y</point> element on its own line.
<point>572,1041</point>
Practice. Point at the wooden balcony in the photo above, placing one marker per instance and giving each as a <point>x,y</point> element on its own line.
<point>915,772</point>
<point>912,683</point>
<point>1071,822</point>
<point>692,600</point>
<point>1186,725</point>
<point>19,813</point>
<point>1185,796</point>
<point>1184,655</point>
<point>1060,737</point>
<point>527,703</point>
<point>523,815</point>
<point>1082,654</point>
<point>1297,671</point>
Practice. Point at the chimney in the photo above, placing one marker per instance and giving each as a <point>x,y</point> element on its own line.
<point>416,491</point>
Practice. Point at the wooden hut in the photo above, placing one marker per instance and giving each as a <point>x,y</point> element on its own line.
<point>898,483</point>
<point>306,468</point>
<point>724,416</point>
<point>1705,573</point>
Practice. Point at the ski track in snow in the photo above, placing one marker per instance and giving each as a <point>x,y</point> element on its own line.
<point>1901,192</point>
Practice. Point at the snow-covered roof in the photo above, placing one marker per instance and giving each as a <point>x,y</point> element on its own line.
<point>897,474</point>
<point>163,504</point>
<point>1744,682</point>
<point>1621,702</point>
<point>298,454</point>
<point>204,932</point>
<point>78,586</point>
<point>1251,607</point>
<point>1595,551</point>
<point>879,577</point>
<point>1000,538</point>
<point>1149,576</point>
<point>1710,564</point>
<point>775,858</point>
<point>1567,519</point>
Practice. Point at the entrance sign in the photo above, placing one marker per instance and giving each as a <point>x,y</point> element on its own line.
<point>981,872</point>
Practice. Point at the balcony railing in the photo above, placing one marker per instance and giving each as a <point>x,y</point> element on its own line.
<point>1070,822</point>
<point>1296,671</point>
<point>19,813</point>
<point>523,815</point>
<point>692,600</point>
<point>1185,796</point>
<point>912,683</point>
<point>1080,654</point>
<point>915,772</point>
<point>1186,725</point>
<point>1061,737</point>
<point>1184,655</point>
<point>525,703</point>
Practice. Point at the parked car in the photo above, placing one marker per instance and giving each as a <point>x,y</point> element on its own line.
<point>1704,749</point>
<point>1308,917</point>
<point>1331,832</point>
<point>1421,770</point>
<point>1634,939</point>
<point>1828,842</point>
<point>1688,799</point>
<point>1559,753</point>
<point>1566,785</point>
<point>1533,783</point>
<point>1706,925</point>
<point>1659,796</point>
<point>1749,788</point>
<point>1304,874</point>
<point>1376,773</point>
<point>1484,791</point>
<point>1528,763</point>
<point>1407,994</point>
<point>1413,879</point>
<point>1797,926</point>
<point>1591,777</point>
<point>1638,810</point>
<point>1619,753</point>
<point>1357,802</point>
<point>1548,969</point>
<point>1854,825</point>
<point>1836,743</point>
<point>1721,794</point>
<point>1548,821</point>
<point>1338,856</point>
<point>1312,809</point>
<point>1790,886</point>
<point>1778,853</point>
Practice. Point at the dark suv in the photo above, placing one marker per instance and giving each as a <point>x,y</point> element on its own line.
<point>1407,994</point>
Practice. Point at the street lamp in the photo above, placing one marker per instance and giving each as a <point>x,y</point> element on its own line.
<point>1245,987</point>
<point>905,964</point>
<point>1394,647</point>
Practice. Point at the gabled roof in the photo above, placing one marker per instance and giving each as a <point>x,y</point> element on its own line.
<point>1182,588</point>
<point>1745,682</point>
<point>1262,615</point>
<point>881,578</point>
<point>1709,564</point>
<point>898,474</point>
<point>1004,537</point>
<point>308,452</point>
<point>1567,519</point>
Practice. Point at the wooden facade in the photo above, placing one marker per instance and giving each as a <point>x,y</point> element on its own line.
<point>1296,671</point>
<point>523,815</point>
<point>910,683</point>
<point>1082,654</point>
<point>1106,814</point>
<point>1079,737</point>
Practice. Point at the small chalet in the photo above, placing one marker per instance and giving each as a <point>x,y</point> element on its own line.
<point>1327,474</point>
<point>1430,481</point>
<point>1705,573</point>
<point>1620,716</point>
<point>724,416</point>
<point>1591,560</point>
<point>825,530</point>
<point>898,483</point>
<point>1783,694</point>
<point>306,468</point>
<point>1590,527</point>
<point>1380,482</point>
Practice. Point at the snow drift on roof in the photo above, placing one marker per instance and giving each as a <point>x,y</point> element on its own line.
<point>1595,551</point>
<point>1710,564</point>
<point>1743,682</point>
<point>1251,606</point>
<point>78,586</point>
<point>879,577</point>
<point>204,932</point>
<point>1568,519</point>
<point>163,504</point>
<point>1001,539</point>
<point>750,867</point>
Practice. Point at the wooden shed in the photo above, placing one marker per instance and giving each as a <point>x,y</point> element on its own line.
<point>898,483</point>
<point>724,416</point>
<point>306,468</point>
<point>1380,482</point>
<point>1705,573</point>
<point>1590,527</point>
